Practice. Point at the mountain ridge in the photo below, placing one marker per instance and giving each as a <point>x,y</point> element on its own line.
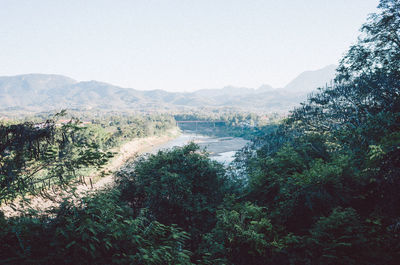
<point>44,92</point>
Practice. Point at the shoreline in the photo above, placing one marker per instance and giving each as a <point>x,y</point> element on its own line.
<point>124,153</point>
<point>131,150</point>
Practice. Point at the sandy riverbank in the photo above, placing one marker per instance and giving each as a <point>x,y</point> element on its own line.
<point>130,150</point>
<point>99,180</point>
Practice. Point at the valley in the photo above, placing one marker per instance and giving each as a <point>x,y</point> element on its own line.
<point>193,158</point>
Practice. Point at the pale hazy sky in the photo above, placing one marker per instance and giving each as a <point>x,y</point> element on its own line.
<point>177,45</point>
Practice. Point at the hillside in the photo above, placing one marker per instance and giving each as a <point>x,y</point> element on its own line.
<point>41,92</point>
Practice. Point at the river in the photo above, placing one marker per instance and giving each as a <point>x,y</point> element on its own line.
<point>221,149</point>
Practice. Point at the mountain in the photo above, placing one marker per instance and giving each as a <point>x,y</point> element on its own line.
<point>28,90</point>
<point>41,92</point>
<point>307,81</point>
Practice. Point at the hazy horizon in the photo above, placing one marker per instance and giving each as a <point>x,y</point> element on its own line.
<point>179,45</point>
<point>211,88</point>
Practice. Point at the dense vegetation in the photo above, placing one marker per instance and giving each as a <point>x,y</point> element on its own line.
<point>228,123</point>
<point>322,186</point>
<point>37,154</point>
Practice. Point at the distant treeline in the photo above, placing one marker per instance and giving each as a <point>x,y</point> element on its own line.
<point>43,152</point>
<point>238,124</point>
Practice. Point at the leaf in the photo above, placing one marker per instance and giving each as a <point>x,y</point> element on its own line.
<point>71,244</point>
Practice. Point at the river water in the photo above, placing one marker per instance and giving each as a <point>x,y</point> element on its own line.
<point>221,149</point>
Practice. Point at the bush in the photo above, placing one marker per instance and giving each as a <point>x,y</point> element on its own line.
<point>97,231</point>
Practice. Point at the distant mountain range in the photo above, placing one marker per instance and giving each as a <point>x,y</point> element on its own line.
<point>43,92</point>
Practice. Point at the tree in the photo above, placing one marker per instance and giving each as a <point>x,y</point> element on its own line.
<point>96,230</point>
<point>35,156</point>
<point>182,186</point>
<point>378,48</point>
<point>243,235</point>
<point>340,150</point>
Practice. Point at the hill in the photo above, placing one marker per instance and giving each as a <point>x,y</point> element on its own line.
<point>42,92</point>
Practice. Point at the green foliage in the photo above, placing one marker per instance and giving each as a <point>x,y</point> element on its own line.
<point>99,230</point>
<point>323,186</point>
<point>329,175</point>
<point>378,48</point>
<point>243,235</point>
<point>37,156</point>
<point>339,238</point>
<point>182,186</point>
<point>223,123</point>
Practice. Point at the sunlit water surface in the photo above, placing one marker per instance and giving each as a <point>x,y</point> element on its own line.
<point>221,149</point>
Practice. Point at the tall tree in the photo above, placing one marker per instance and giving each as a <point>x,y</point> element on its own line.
<point>182,186</point>
<point>35,156</point>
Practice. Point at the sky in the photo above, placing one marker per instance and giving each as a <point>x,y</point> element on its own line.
<point>177,45</point>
